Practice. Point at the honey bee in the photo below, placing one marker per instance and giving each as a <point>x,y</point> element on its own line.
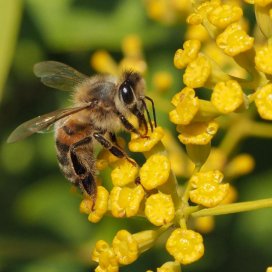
<point>102,106</point>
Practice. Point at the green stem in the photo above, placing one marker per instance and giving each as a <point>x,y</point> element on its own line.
<point>234,208</point>
<point>258,129</point>
<point>234,134</point>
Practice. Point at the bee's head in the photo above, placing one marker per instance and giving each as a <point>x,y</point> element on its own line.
<point>131,98</point>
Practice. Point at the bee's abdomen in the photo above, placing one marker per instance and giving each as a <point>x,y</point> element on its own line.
<point>75,163</point>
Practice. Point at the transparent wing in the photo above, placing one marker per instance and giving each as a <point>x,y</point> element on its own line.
<point>58,75</point>
<point>41,123</point>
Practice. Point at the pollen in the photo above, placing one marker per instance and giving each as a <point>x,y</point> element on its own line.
<point>159,209</point>
<point>124,173</point>
<point>263,59</point>
<point>234,40</point>
<point>125,247</point>
<point>197,72</point>
<point>227,96</point>
<point>224,15</point>
<point>186,55</point>
<point>125,201</point>
<point>200,133</point>
<point>141,144</point>
<point>263,101</point>
<point>105,256</point>
<point>100,206</point>
<point>187,105</point>
<point>155,171</point>
<point>186,246</point>
<point>207,190</point>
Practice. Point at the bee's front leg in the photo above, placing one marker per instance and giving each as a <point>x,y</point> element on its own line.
<point>114,149</point>
<point>128,126</point>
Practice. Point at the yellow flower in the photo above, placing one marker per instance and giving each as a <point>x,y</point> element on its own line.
<point>240,165</point>
<point>102,62</point>
<point>187,106</point>
<point>124,173</point>
<point>139,144</point>
<point>269,269</point>
<point>105,256</point>
<point>204,224</point>
<point>197,72</point>
<point>125,201</point>
<point>263,59</point>
<point>197,32</point>
<point>186,246</point>
<point>125,247</point>
<point>201,11</point>
<point>199,133</point>
<point>207,188</point>
<point>132,46</point>
<point>134,64</point>
<point>227,96</point>
<point>155,171</point>
<point>159,209</point>
<point>224,15</point>
<point>263,101</point>
<point>100,206</point>
<point>184,56</point>
<point>217,160</point>
<point>162,81</point>
<point>169,267</point>
<point>234,40</point>
<point>262,3</point>
<point>231,196</point>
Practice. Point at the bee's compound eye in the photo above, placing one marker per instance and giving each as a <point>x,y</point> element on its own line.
<point>126,92</point>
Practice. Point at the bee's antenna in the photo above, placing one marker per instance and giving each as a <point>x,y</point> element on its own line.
<point>148,115</point>
<point>153,109</point>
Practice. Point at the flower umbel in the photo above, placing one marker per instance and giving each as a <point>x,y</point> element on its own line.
<point>225,76</point>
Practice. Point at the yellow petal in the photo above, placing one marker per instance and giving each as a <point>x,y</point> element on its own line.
<point>124,173</point>
<point>187,106</point>
<point>234,40</point>
<point>125,247</point>
<point>159,209</point>
<point>138,144</point>
<point>227,96</point>
<point>263,101</point>
<point>200,133</point>
<point>186,246</point>
<point>155,171</point>
<point>197,72</point>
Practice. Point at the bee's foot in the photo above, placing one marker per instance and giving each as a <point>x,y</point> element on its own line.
<point>132,161</point>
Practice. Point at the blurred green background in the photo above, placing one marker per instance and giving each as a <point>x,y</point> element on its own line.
<point>41,227</point>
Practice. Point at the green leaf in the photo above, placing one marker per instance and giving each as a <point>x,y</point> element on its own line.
<point>50,204</point>
<point>10,15</point>
<point>255,227</point>
<point>66,27</point>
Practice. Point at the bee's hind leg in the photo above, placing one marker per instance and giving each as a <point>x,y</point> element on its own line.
<point>114,149</point>
<point>89,185</point>
<point>86,178</point>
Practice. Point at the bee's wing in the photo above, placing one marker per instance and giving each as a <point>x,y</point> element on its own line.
<point>58,75</point>
<point>41,123</point>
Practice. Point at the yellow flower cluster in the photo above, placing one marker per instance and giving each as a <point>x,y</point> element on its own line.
<point>234,73</point>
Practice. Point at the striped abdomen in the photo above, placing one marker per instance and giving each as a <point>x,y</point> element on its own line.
<point>75,153</point>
